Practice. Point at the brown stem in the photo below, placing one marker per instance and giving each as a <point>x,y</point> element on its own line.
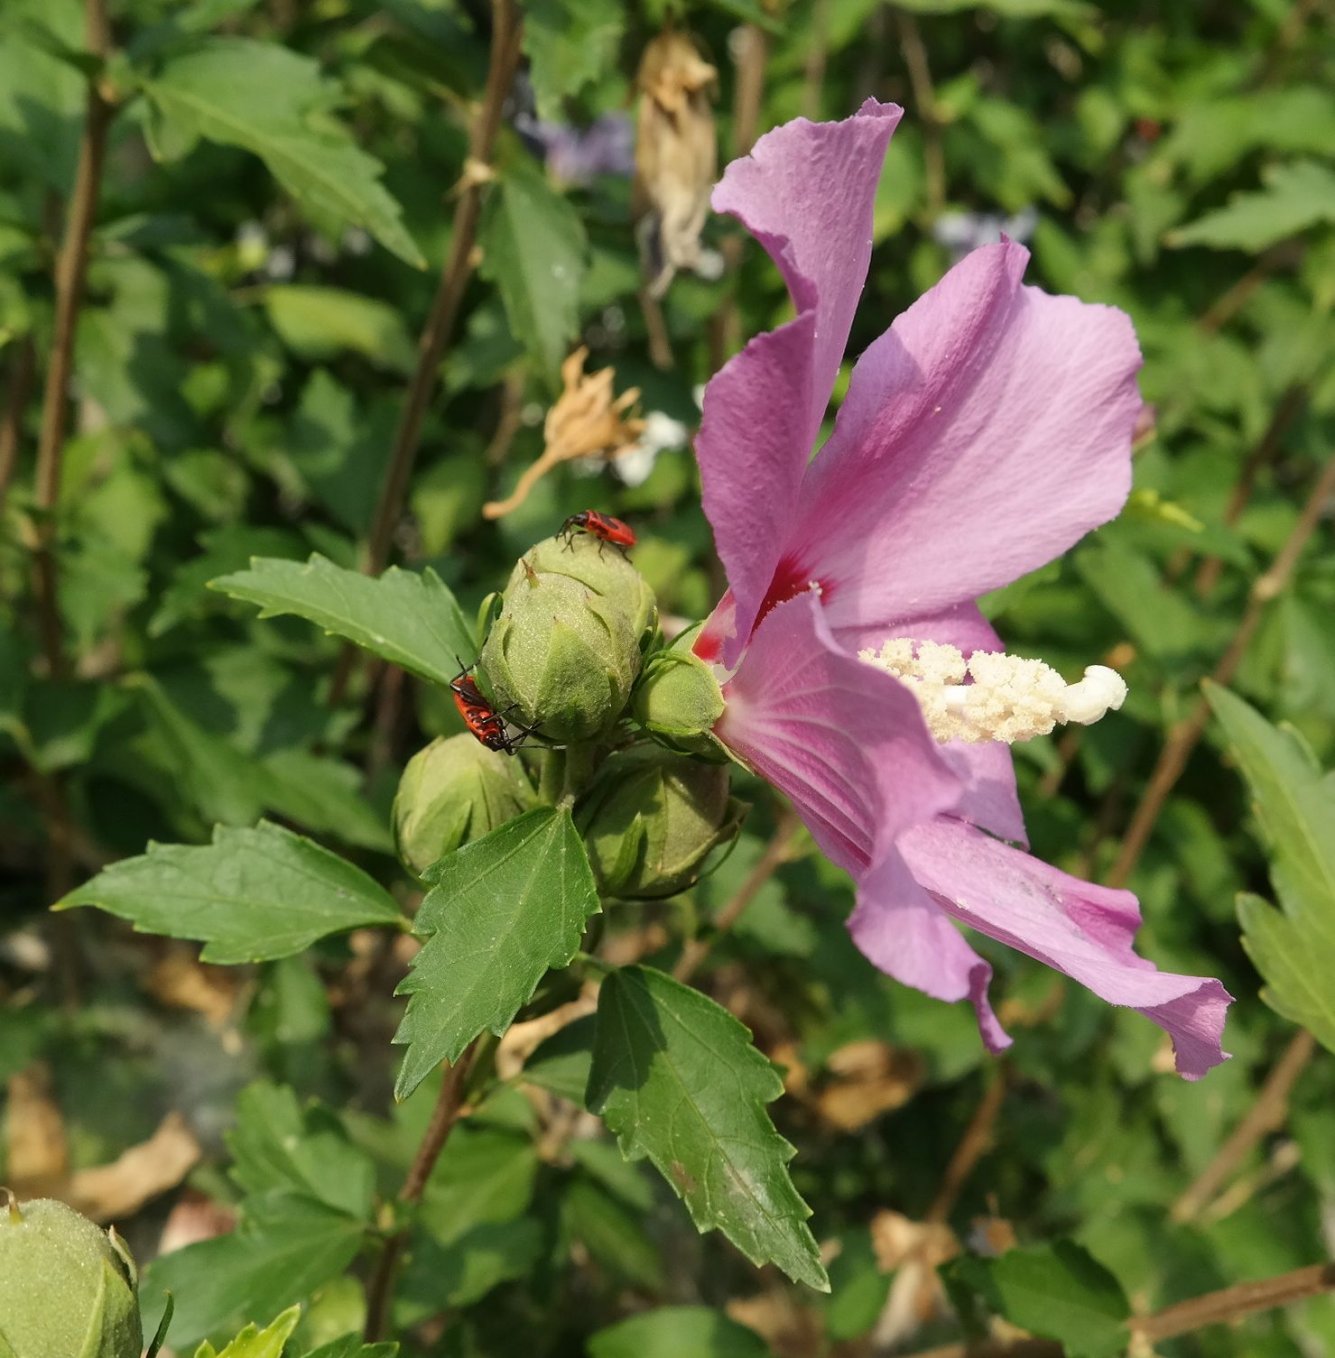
<point>1232,1303</point>
<point>1215,1308</point>
<point>748,93</point>
<point>1266,1114</point>
<point>458,269</point>
<point>697,949</point>
<point>1286,412</point>
<point>1236,297</point>
<point>924,95</point>
<point>11,424</point>
<point>973,1145</point>
<point>71,271</point>
<point>1183,738</point>
<point>444,1118</point>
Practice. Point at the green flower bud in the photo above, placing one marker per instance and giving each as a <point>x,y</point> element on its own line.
<point>566,648</point>
<point>651,821</point>
<point>67,1289</point>
<point>453,791</point>
<point>678,699</point>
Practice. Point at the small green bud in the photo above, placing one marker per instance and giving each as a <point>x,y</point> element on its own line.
<point>67,1289</point>
<point>453,791</point>
<point>678,699</point>
<point>652,820</point>
<point>566,648</point>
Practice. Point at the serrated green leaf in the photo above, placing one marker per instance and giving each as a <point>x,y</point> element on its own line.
<point>265,1343</point>
<point>534,250</point>
<point>568,44</point>
<point>250,896</point>
<point>500,912</point>
<point>273,101</point>
<point>464,1270</point>
<point>1296,196</point>
<point>277,1145</point>
<point>408,619</point>
<point>1293,948</point>
<point>349,1346</point>
<point>676,1078</point>
<point>1058,1291</point>
<point>674,1331</point>
<point>285,1249</point>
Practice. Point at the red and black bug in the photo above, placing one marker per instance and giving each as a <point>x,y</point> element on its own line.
<point>601,526</point>
<point>488,725</point>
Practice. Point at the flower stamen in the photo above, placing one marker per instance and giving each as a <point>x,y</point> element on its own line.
<point>993,695</point>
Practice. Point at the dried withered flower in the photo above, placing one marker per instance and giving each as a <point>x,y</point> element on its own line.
<point>587,420</point>
<point>676,157</point>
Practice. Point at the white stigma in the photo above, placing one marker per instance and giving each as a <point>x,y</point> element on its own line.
<point>992,695</point>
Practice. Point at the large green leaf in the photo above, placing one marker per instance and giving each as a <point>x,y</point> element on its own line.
<point>409,619</point>
<point>569,43</point>
<point>278,1145</point>
<point>674,1331</point>
<point>534,250</point>
<point>1296,196</point>
<point>274,102</point>
<point>319,323</point>
<point>1059,1291</point>
<point>285,1248</point>
<point>500,912</point>
<point>251,895</point>
<point>676,1078</point>
<point>1293,948</point>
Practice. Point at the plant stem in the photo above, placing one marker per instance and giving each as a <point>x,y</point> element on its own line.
<point>444,1117</point>
<point>973,1145</point>
<point>924,95</point>
<point>1265,1115</point>
<point>776,852</point>
<point>71,271</point>
<point>458,269</point>
<point>1214,1308</point>
<point>1183,738</point>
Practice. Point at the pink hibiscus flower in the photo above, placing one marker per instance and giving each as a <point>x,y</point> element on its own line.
<point>982,435</point>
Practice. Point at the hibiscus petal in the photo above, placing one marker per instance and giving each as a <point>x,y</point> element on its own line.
<point>1075,927</point>
<point>901,930</point>
<point>985,432</point>
<point>844,741</point>
<point>763,410</point>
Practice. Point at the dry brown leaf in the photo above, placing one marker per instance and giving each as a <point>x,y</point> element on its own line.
<point>120,1189</point>
<point>869,1078</point>
<point>790,1329</point>
<point>676,156</point>
<point>193,1218</point>
<point>37,1161</point>
<point>587,420</point>
<point>912,1250</point>
<point>181,980</point>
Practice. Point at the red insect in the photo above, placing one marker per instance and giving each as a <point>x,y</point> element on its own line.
<point>601,526</point>
<point>488,725</point>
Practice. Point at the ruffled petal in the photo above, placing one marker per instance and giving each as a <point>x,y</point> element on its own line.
<point>1075,927</point>
<point>901,930</point>
<point>844,741</point>
<point>983,434</point>
<point>763,410</point>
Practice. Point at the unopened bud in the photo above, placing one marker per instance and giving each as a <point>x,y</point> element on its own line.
<point>652,821</point>
<point>678,699</point>
<point>566,648</point>
<point>453,791</point>
<point>67,1288</point>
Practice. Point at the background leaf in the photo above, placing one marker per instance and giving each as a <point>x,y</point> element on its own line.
<point>408,619</point>
<point>249,896</point>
